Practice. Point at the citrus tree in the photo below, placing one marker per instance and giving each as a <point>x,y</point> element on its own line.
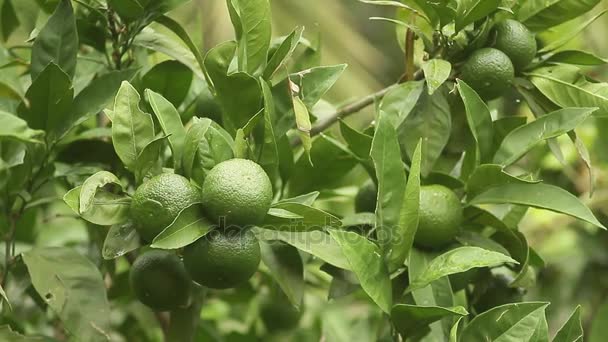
<point>225,198</point>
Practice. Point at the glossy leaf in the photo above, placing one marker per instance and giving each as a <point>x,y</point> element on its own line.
<point>488,176</point>
<point>540,15</point>
<point>236,114</point>
<point>206,145</point>
<point>305,199</point>
<point>127,9</point>
<point>318,243</point>
<point>170,79</point>
<point>524,138</point>
<point>107,208</point>
<point>121,239</point>
<point>566,87</point>
<point>96,96</point>
<point>189,226</point>
<point>285,265</point>
<point>514,322</point>
<point>73,287</point>
<point>176,28</point>
<point>13,127</point>
<point>48,102</point>
<point>469,11</point>
<point>572,330</point>
<point>170,123</point>
<point>413,320</point>
<point>91,185</point>
<point>365,259</point>
<point>386,155</point>
<point>438,293</point>
<point>399,102</point>
<point>252,25</point>
<point>541,196</point>
<point>576,57</point>
<point>148,163</point>
<point>479,120</point>
<point>57,42</point>
<point>303,124</point>
<point>408,216</point>
<point>430,120</point>
<point>436,72</point>
<point>10,21</point>
<point>571,34</point>
<point>132,129</point>
<point>458,260</point>
<point>268,155</point>
<point>315,82</point>
<point>156,41</point>
<point>292,216</point>
<point>283,53</point>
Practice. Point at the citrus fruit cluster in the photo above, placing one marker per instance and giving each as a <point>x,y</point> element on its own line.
<point>235,196</point>
<point>491,70</point>
<point>439,213</point>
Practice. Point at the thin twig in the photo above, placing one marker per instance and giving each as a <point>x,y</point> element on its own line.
<point>410,38</point>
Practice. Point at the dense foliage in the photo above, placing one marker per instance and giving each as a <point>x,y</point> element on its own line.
<point>225,198</point>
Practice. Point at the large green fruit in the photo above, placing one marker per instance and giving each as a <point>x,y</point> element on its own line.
<point>440,216</point>
<point>516,41</point>
<point>489,72</point>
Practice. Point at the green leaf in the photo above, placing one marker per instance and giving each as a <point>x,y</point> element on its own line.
<point>469,11</point>
<point>171,79</point>
<point>48,101</point>
<point>576,57</point>
<point>170,123</point>
<point>542,196</point>
<point>9,21</point>
<point>107,208</point>
<point>15,128</point>
<point>148,163</point>
<point>121,239</point>
<point>179,31</point>
<point>57,42</point>
<point>572,330</point>
<point>330,162</point>
<point>72,287</point>
<point>458,260</point>
<point>431,121</point>
<point>236,114</point>
<point>281,56</point>
<point>127,9</point>
<point>511,322</point>
<point>413,321</point>
<point>409,213</point>
<point>479,120</point>
<point>132,129</point>
<point>189,226</point>
<point>315,82</point>
<point>5,298</point>
<point>523,139</point>
<point>206,145</point>
<point>358,142</point>
<point>252,24</point>
<point>318,243</point>
<point>438,293</point>
<point>285,265</point>
<point>399,102</point>
<point>268,155</point>
<point>155,41</point>
<point>490,175</point>
<point>292,216</point>
<point>96,96</point>
<point>571,34</point>
<point>566,87</point>
<point>92,184</point>
<point>386,155</point>
<point>303,124</point>
<point>306,199</point>
<point>365,259</point>
<point>539,15</point>
<point>436,72</point>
